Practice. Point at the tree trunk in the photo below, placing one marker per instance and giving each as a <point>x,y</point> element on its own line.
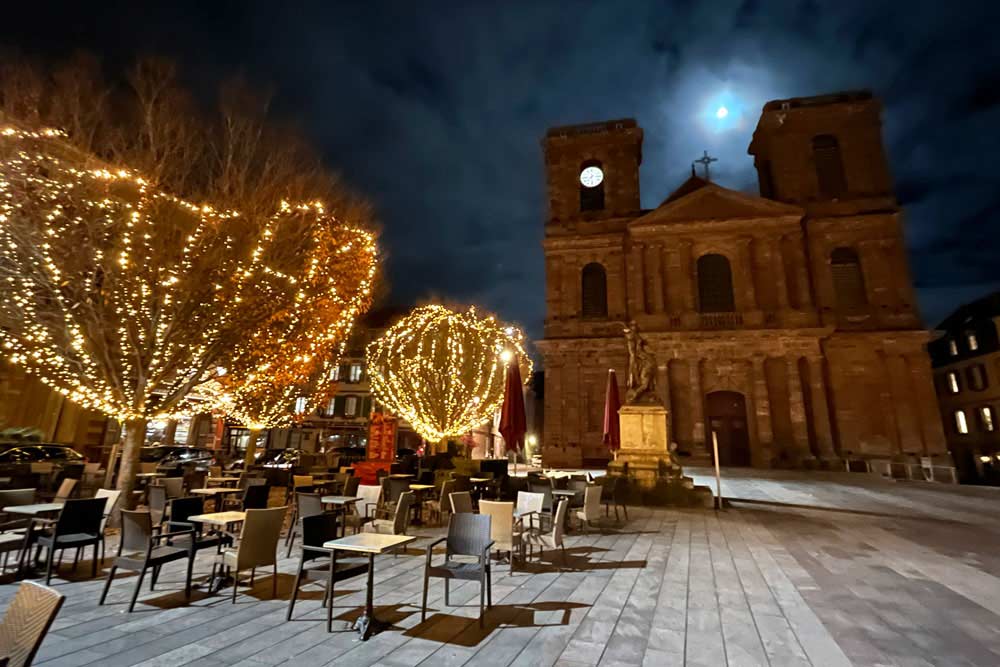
<point>170,432</point>
<point>134,436</point>
<point>248,460</point>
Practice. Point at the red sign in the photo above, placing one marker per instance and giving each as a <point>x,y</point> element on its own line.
<point>382,437</point>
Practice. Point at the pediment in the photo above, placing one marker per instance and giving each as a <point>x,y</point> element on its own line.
<point>713,202</point>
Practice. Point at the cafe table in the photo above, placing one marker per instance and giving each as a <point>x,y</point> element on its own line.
<point>215,492</point>
<point>418,491</point>
<point>34,509</point>
<point>372,544</point>
<point>220,522</point>
<point>223,481</point>
<point>341,503</point>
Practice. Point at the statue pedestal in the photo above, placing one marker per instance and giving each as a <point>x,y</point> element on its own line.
<point>644,442</point>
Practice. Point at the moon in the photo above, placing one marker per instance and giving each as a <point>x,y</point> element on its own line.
<point>721,113</point>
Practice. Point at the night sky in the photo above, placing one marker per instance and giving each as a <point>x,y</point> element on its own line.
<point>435,109</point>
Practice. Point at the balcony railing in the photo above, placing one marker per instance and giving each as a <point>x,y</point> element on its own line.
<point>720,320</point>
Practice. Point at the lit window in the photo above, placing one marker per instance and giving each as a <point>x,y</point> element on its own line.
<point>334,374</point>
<point>973,341</point>
<point>300,404</point>
<point>960,424</point>
<point>350,406</point>
<point>986,415</point>
<point>953,383</point>
<point>977,377</point>
<point>355,372</point>
<point>330,407</point>
<point>952,348</point>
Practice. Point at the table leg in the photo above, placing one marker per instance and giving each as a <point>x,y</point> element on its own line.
<point>367,625</point>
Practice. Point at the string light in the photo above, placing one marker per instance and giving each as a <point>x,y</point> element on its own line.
<point>125,299</point>
<point>443,371</point>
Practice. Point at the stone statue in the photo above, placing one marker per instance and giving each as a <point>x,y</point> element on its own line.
<point>641,381</point>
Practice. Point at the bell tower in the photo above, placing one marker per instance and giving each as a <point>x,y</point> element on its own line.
<point>592,171</point>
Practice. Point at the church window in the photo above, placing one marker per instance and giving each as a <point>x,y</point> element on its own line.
<point>848,280</point>
<point>591,186</point>
<point>961,426</point>
<point>594,291</point>
<point>829,166</point>
<point>715,285</point>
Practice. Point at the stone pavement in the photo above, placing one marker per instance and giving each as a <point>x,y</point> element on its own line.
<point>804,568</point>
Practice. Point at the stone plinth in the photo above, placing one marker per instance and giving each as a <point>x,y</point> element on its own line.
<point>644,442</point>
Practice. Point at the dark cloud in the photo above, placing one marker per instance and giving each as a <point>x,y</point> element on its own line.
<point>436,109</point>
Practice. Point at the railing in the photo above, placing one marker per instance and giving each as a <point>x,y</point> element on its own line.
<point>721,320</point>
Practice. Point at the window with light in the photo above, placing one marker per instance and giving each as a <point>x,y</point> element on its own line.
<point>300,404</point>
<point>961,426</point>
<point>973,341</point>
<point>953,387</point>
<point>350,406</point>
<point>952,348</point>
<point>986,416</point>
<point>355,372</point>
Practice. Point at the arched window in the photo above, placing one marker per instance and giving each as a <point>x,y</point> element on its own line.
<point>591,186</point>
<point>594,291</point>
<point>829,166</point>
<point>848,279</point>
<point>715,285</point>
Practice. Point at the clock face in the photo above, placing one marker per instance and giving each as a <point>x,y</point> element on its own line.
<point>591,177</point>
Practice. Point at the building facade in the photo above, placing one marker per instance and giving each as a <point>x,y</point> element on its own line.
<point>785,323</point>
<point>966,361</point>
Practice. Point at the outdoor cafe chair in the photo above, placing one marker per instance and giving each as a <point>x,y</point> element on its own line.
<point>438,508</point>
<point>66,488</point>
<point>255,497</point>
<point>180,509</point>
<point>306,504</point>
<point>351,485</point>
<point>78,526</point>
<point>156,500</point>
<point>10,497</point>
<point>591,510</point>
<point>614,491</point>
<point>140,549</point>
<point>461,502</point>
<point>195,479</point>
<point>257,547</point>
<point>26,622</point>
<point>400,521</point>
<point>173,485</point>
<point>553,538</point>
<point>529,505</point>
<point>321,564</point>
<point>112,496</point>
<point>468,536</point>
<point>365,509</point>
<point>504,531</point>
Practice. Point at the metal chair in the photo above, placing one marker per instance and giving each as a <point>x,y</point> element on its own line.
<point>461,502</point>
<point>257,547</point>
<point>26,622</point>
<point>306,505</point>
<point>140,550</point>
<point>320,564</point>
<point>370,496</point>
<point>468,535</point>
<point>552,539</point>
<point>78,526</point>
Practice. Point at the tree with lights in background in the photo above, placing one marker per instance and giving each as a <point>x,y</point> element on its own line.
<point>285,369</point>
<point>124,297</point>
<point>443,371</point>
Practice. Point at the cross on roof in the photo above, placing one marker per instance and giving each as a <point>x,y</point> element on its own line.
<point>705,160</point>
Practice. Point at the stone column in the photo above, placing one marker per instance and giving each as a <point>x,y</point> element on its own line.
<point>697,407</point>
<point>778,269</point>
<point>746,275</point>
<point>797,408</point>
<point>762,406</point>
<point>636,287</point>
<point>654,278</point>
<point>672,274</point>
<point>820,409</point>
<point>801,273</point>
<point>688,276</point>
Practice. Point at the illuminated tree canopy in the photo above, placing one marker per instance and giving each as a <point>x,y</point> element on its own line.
<point>443,371</point>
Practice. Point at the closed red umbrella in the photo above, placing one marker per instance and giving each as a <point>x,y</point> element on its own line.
<point>513,423</point>
<point>612,425</point>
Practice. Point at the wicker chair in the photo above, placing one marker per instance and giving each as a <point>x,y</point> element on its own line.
<point>438,508</point>
<point>552,539</point>
<point>173,485</point>
<point>545,489</point>
<point>461,502</point>
<point>157,501</point>
<point>140,550</point>
<point>529,506</point>
<point>504,531</point>
<point>400,521</point>
<point>320,564</point>
<point>183,508</point>
<point>78,526</point>
<point>112,496</point>
<point>351,485</point>
<point>306,505</point>
<point>26,622</point>
<point>257,547</point>
<point>591,510</point>
<point>365,510</point>
<point>468,535</point>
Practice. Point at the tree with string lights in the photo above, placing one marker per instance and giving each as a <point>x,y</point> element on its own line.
<point>443,371</point>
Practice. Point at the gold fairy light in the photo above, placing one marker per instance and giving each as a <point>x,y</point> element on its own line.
<point>444,371</point>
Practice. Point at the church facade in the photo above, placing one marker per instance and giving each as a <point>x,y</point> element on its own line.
<point>783,323</point>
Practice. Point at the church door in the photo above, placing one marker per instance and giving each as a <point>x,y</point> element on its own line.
<point>727,418</point>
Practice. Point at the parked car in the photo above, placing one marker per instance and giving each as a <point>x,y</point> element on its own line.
<point>174,456</point>
<point>16,460</point>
